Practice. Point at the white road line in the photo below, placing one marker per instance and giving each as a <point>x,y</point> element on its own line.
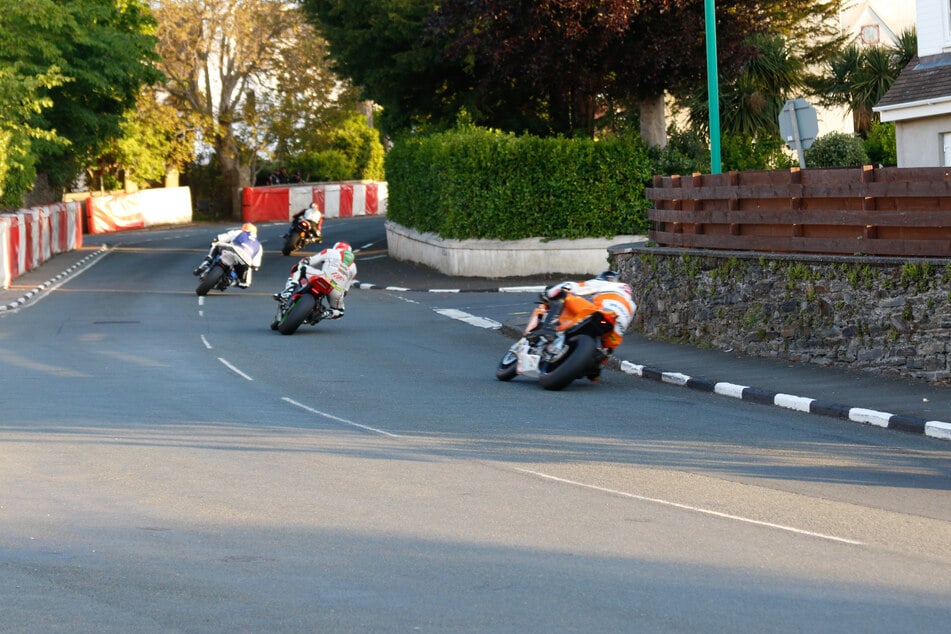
<point>235,370</point>
<point>690,508</point>
<point>205,341</point>
<point>481,322</point>
<point>338,419</point>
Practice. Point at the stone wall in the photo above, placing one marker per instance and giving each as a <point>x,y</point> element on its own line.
<point>886,315</point>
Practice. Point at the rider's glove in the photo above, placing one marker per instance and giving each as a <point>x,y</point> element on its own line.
<point>554,292</point>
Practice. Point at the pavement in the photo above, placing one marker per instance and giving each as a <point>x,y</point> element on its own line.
<point>898,404</point>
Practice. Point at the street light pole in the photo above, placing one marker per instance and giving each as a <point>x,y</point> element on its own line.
<point>713,89</point>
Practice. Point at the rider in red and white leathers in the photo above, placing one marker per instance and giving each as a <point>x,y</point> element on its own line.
<point>336,265</point>
<point>611,297</point>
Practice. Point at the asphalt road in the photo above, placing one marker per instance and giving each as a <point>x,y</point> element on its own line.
<point>170,464</point>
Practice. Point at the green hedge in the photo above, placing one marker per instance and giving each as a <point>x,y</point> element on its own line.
<point>475,183</point>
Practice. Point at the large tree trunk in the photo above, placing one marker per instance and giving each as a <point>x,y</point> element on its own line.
<point>171,177</point>
<point>234,176</point>
<point>653,121</point>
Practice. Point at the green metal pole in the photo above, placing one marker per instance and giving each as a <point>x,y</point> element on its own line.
<point>713,87</point>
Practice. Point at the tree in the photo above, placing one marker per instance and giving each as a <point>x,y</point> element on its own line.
<point>382,48</point>
<point>107,53</point>
<point>309,101</point>
<point>20,101</point>
<point>547,66</point>
<point>858,77</point>
<point>157,141</point>
<point>254,72</point>
<point>214,54</point>
<point>94,56</point>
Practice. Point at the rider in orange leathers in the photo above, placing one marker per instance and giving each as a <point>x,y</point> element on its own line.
<point>612,298</point>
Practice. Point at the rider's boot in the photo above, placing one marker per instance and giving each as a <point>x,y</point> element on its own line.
<point>202,267</point>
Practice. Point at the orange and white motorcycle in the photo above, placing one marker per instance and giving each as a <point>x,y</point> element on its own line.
<point>560,343</point>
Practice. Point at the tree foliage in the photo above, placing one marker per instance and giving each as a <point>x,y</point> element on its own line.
<point>858,77</point>
<point>71,69</point>
<point>545,66</point>
<point>255,74</point>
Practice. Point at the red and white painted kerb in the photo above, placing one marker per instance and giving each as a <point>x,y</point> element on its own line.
<point>32,236</point>
<point>277,203</point>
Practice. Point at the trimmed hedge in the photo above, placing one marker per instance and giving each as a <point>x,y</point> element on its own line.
<point>476,183</point>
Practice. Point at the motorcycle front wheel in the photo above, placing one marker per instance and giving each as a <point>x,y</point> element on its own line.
<point>573,365</point>
<point>211,279</point>
<point>508,367</point>
<point>300,310</point>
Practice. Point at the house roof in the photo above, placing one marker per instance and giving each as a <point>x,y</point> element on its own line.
<point>924,79</point>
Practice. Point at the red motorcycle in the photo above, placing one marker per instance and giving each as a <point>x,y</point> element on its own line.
<point>308,304</point>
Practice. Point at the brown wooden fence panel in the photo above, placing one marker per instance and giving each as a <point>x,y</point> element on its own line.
<point>887,211</point>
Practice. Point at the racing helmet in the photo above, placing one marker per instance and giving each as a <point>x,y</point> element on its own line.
<point>342,246</point>
<point>609,276</point>
<point>249,227</point>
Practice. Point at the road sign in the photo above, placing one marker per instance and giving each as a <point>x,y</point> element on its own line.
<point>799,126</point>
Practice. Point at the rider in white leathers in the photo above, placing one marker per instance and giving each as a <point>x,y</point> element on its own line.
<point>335,264</point>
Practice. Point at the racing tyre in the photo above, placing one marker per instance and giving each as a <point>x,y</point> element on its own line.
<point>296,314</point>
<point>292,243</point>
<point>508,367</point>
<point>210,280</point>
<point>573,365</point>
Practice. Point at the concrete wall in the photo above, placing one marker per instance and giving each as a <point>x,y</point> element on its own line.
<point>501,258</point>
<point>890,316</point>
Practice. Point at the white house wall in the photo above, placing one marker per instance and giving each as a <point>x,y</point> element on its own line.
<point>932,27</point>
<point>919,141</point>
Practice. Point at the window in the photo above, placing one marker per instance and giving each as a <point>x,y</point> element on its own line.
<point>870,34</point>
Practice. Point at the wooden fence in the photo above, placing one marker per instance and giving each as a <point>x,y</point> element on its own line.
<point>848,211</point>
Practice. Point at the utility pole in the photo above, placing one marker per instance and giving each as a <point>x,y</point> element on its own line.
<point>713,87</point>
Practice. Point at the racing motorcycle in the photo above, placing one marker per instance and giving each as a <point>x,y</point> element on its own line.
<point>301,233</point>
<point>307,304</point>
<point>560,343</point>
<point>222,271</point>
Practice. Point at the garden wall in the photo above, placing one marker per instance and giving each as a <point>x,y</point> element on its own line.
<point>891,316</point>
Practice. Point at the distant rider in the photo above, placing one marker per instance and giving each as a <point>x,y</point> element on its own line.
<point>314,217</point>
<point>611,297</point>
<point>245,243</point>
<point>335,264</point>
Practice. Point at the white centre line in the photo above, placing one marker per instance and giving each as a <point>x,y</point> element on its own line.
<point>338,419</point>
<point>690,508</point>
<point>235,370</point>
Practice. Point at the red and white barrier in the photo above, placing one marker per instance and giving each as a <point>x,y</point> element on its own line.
<point>32,236</point>
<point>137,210</point>
<point>277,203</point>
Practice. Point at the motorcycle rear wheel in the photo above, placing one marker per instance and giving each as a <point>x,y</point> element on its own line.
<point>508,366</point>
<point>210,281</point>
<point>300,310</point>
<point>575,364</point>
<point>292,243</point>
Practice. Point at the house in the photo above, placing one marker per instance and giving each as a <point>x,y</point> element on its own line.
<point>869,23</point>
<point>919,102</point>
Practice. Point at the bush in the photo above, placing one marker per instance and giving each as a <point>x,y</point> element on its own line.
<point>686,152</point>
<point>837,149</point>
<point>472,182</point>
<point>880,144</point>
